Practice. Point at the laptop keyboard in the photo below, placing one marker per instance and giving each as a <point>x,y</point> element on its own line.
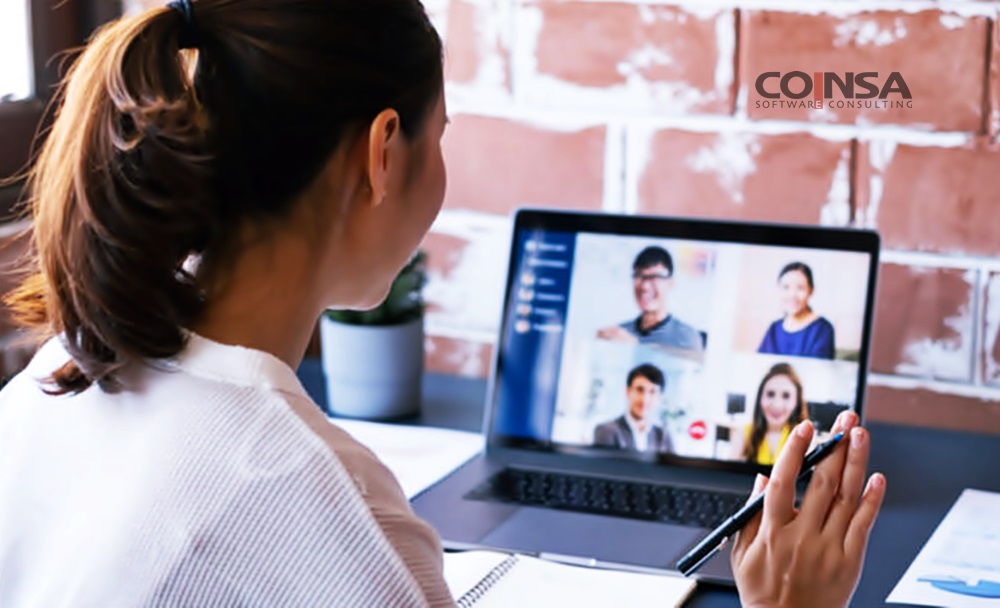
<point>633,500</point>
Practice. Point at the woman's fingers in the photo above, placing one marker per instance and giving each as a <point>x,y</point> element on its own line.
<point>826,479</point>
<point>845,421</point>
<point>749,531</point>
<point>861,524</point>
<point>846,502</point>
<point>779,503</point>
<point>747,535</point>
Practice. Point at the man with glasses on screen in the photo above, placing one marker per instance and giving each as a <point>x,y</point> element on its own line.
<point>652,280</point>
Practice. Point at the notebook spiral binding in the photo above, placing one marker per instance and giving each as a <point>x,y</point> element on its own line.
<point>470,597</point>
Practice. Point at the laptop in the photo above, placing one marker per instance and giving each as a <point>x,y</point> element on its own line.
<point>646,369</point>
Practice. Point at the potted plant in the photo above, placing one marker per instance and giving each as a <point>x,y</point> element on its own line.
<point>374,359</point>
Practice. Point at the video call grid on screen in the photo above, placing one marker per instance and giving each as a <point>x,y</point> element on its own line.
<point>714,380</point>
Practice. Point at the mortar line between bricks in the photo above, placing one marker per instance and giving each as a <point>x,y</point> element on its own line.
<point>571,120</point>
<point>910,383</point>
<point>738,51</point>
<point>852,197</point>
<point>978,328</point>
<point>987,84</point>
<point>443,330</point>
<point>830,7</point>
<point>984,263</point>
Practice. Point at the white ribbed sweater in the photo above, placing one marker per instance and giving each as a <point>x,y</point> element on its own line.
<point>212,480</point>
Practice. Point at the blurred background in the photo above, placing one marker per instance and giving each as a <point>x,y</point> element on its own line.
<point>651,107</point>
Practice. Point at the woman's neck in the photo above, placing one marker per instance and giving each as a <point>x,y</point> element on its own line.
<point>799,319</point>
<point>266,301</point>
<point>802,314</point>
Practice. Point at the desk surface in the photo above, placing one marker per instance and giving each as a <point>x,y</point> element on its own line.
<point>926,470</point>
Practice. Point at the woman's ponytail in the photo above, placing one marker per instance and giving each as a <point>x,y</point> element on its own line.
<point>159,153</point>
<point>120,196</point>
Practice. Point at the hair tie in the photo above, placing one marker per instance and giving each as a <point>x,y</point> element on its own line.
<point>189,32</point>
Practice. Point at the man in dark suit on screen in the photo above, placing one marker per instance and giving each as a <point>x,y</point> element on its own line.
<point>634,430</point>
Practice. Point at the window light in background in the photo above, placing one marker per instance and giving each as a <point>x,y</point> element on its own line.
<point>15,49</point>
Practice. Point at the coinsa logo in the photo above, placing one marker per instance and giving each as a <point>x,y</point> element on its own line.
<point>833,90</point>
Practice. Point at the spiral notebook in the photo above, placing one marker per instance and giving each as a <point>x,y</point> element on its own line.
<point>480,579</point>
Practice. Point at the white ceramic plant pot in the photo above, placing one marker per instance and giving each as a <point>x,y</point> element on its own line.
<point>372,372</point>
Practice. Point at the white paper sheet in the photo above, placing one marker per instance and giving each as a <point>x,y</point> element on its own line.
<point>959,566</point>
<point>417,455</point>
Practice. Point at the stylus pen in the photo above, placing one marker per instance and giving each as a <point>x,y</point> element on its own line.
<point>718,538</point>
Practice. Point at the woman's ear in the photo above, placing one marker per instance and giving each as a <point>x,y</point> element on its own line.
<point>383,148</point>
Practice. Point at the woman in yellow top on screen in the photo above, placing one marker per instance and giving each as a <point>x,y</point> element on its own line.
<point>779,407</point>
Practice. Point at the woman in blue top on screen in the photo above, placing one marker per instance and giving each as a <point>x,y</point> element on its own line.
<point>801,332</point>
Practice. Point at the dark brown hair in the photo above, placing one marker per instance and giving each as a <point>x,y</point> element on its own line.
<point>759,427</point>
<point>158,153</point>
<point>649,372</point>
<point>651,256</point>
<point>800,267</point>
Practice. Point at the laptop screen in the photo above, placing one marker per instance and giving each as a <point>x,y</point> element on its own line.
<point>679,340</point>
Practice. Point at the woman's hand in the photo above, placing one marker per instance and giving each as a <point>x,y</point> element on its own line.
<point>812,556</point>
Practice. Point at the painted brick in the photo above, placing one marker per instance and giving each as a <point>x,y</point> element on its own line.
<point>789,178</point>
<point>444,255</point>
<point>925,322</point>
<point>922,407</point>
<point>438,12</point>
<point>624,57</point>
<point>496,165</point>
<point>990,355</point>
<point>456,357</point>
<point>476,52</point>
<point>992,125</point>
<point>466,260</point>
<point>931,198</point>
<point>941,56</point>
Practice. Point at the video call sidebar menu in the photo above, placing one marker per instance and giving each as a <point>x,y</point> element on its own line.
<point>537,318</point>
<point>543,285</point>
